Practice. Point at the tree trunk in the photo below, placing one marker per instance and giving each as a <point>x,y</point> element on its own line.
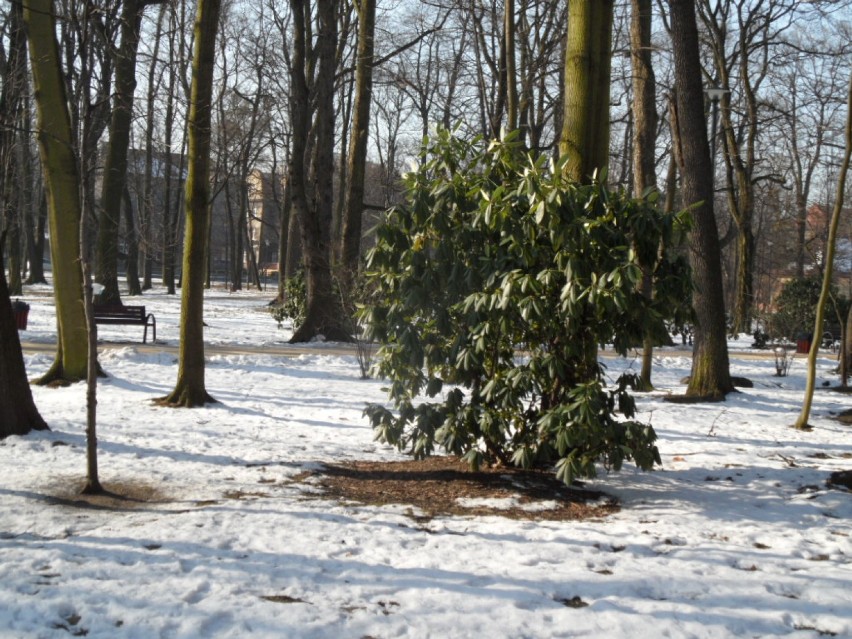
<point>585,130</point>
<point>190,389</point>
<point>323,314</point>
<point>18,412</point>
<point>745,278</point>
<point>585,122</point>
<point>710,376</point>
<point>62,177</point>
<point>356,170</point>
<point>644,143</point>
<point>35,211</point>
<point>93,482</point>
<point>38,240</point>
<point>134,286</point>
<point>146,205</point>
<point>284,207</point>
<point>512,109</point>
<point>295,259</point>
<point>169,239</point>
<point>14,87</point>
<point>846,349</point>
<point>115,169</point>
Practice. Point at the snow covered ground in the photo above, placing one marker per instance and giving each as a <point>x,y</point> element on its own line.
<point>736,535</point>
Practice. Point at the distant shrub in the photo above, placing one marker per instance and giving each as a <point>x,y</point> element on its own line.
<point>795,306</point>
<point>295,301</point>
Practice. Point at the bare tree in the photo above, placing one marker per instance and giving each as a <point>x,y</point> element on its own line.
<point>115,170</point>
<point>190,389</point>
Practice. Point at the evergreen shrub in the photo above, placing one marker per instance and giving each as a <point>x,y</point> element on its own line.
<point>495,282</point>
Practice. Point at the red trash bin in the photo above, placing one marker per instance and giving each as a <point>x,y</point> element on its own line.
<point>803,345</point>
<point>22,312</point>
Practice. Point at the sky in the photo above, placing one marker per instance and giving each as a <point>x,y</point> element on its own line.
<point>735,535</point>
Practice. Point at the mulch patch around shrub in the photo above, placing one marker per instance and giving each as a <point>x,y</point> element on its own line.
<point>445,486</point>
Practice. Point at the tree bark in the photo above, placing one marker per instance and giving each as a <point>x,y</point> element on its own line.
<point>37,237</point>
<point>62,177</point>
<point>644,143</point>
<point>146,206</point>
<point>324,315</point>
<point>512,109</point>
<point>584,141</point>
<point>190,389</point>
<point>18,412</point>
<point>588,55</point>
<point>356,170</point>
<point>11,119</point>
<point>710,376</point>
<point>115,169</point>
<point>134,286</point>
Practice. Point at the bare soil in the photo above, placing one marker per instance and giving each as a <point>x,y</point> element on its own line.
<point>446,486</point>
<point>117,495</point>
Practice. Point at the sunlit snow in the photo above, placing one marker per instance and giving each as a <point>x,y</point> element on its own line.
<point>736,535</point>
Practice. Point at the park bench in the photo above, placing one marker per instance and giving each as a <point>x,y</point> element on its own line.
<point>120,314</point>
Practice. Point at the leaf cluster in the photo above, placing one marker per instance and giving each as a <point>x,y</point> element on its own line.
<point>495,283</point>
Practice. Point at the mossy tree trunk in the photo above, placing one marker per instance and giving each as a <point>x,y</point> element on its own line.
<point>710,376</point>
<point>584,140</point>
<point>588,58</point>
<point>353,209</point>
<point>62,178</point>
<point>190,390</point>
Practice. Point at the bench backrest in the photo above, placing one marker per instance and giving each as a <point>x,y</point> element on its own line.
<point>118,311</point>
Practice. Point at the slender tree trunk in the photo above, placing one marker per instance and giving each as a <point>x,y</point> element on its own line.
<point>169,239</point>
<point>807,402</point>
<point>801,228</point>
<point>190,389</point>
<point>644,143</point>
<point>512,108</point>
<point>34,210</point>
<point>283,204</point>
<point>62,175</point>
<point>37,250</point>
<point>710,372</point>
<point>354,200</point>
<point>846,350</point>
<point>745,278</point>
<point>134,286</point>
<point>93,483</point>
<point>147,205</point>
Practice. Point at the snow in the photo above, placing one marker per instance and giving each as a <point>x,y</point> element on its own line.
<point>736,535</point>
